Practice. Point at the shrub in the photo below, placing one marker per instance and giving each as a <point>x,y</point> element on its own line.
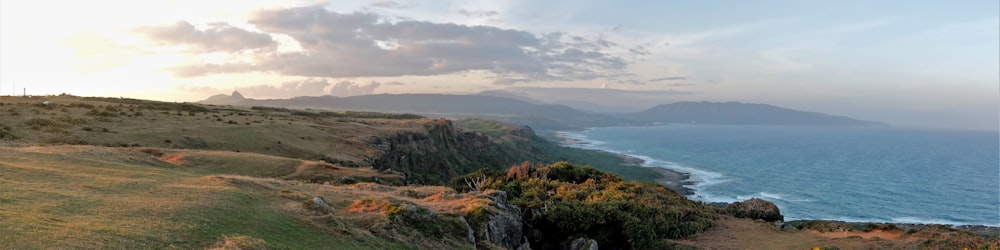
<point>562,200</point>
<point>880,227</point>
<point>6,132</point>
<point>825,226</point>
<point>42,122</point>
<point>755,208</point>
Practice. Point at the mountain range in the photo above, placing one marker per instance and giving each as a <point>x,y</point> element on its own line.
<point>518,109</point>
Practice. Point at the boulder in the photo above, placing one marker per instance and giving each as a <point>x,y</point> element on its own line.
<point>503,226</point>
<point>318,204</point>
<point>583,244</point>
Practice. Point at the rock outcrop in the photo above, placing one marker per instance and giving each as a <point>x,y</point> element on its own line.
<point>318,204</point>
<point>442,151</point>
<point>582,244</point>
<point>503,226</point>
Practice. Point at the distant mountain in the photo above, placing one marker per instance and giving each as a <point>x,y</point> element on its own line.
<point>538,116</point>
<point>602,100</point>
<point>741,113</point>
<point>221,99</point>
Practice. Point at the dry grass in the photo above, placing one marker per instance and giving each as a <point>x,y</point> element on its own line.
<point>96,197</point>
<point>733,233</point>
<point>84,197</point>
<point>220,128</point>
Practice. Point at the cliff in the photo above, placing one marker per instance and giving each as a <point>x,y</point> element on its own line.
<point>441,151</point>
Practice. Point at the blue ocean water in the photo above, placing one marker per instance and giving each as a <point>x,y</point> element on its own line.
<point>882,174</point>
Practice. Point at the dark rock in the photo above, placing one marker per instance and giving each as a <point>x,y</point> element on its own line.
<point>472,233</point>
<point>503,226</point>
<point>583,244</point>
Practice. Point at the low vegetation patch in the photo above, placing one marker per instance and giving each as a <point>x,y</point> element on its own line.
<point>563,200</point>
<point>756,209</point>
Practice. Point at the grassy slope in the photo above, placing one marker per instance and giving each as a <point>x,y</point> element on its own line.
<point>96,197</point>
<point>116,197</point>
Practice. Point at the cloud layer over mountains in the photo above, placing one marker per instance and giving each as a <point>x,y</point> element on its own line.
<point>342,45</point>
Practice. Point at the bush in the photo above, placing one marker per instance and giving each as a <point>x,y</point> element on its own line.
<point>755,208</point>
<point>562,200</point>
<point>825,226</point>
<point>880,227</point>
<point>42,122</point>
<point>6,132</point>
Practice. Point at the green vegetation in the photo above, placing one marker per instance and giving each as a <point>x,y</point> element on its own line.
<point>152,105</point>
<point>122,173</point>
<point>544,150</point>
<point>756,209</point>
<point>563,200</point>
<point>349,114</point>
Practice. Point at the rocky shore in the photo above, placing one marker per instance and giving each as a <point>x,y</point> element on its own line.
<point>671,179</point>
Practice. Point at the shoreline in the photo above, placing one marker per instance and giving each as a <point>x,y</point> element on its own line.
<point>671,179</point>
<point>680,181</point>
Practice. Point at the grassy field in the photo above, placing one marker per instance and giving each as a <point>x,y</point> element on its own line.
<point>97,197</point>
<point>79,196</point>
<point>122,173</point>
<point>131,174</point>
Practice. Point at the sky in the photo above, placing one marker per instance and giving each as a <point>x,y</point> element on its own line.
<point>908,63</point>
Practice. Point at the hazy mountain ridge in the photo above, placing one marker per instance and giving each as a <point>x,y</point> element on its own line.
<point>514,108</point>
<point>743,114</point>
<point>538,116</point>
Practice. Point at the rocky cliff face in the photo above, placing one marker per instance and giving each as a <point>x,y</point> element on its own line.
<point>504,226</point>
<point>442,151</point>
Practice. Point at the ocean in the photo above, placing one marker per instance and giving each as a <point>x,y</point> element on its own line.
<point>871,174</point>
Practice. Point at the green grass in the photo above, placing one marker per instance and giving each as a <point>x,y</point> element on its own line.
<point>93,197</point>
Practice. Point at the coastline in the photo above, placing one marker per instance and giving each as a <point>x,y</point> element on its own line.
<point>682,183</point>
<point>672,179</point>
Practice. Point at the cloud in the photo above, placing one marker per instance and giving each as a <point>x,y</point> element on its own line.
<point>308,87</point>
<point>681,84</point>
<point>631,81</point>
<point>193,70</point>
<point>509,81</point>
<point>216,37</point>
<point>672,78</point>
<point>359,44</point>
<point>477,13</point>
<point>305,87</point>
<point>615,29</point>
<point>388,4</point>
<point>349,88</point>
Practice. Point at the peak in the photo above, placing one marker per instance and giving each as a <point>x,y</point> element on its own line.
<point>237,94</point>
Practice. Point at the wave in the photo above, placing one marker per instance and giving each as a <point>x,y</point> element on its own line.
<point>799,183</point>
<point>698,177</point>
<point>900,220</point>
<point>915,220</point>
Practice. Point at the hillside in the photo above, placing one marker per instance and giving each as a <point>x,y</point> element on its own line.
<point>742,114</point>
<point>83,172</point>
<point>86,172</point>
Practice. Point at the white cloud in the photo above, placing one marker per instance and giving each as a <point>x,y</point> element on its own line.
<point>365,45</point>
